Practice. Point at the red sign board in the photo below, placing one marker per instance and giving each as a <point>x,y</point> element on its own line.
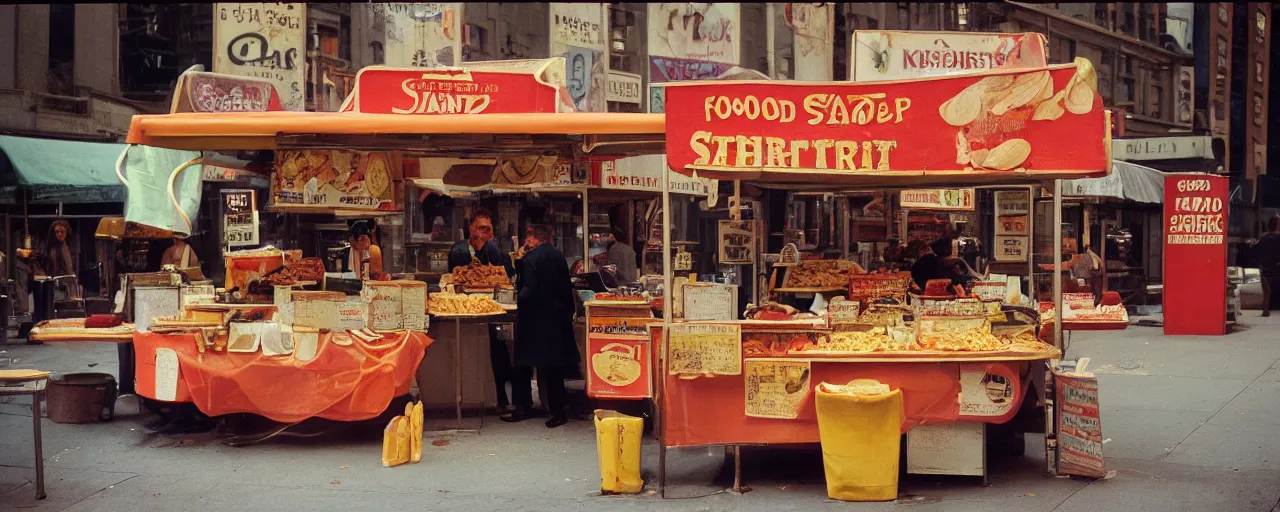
<point>617,359</point>
<point>1195,254</point>
<point>977,124</point>
<point>199,91</point>
<point>1078,425</point>
<point>420,91</point>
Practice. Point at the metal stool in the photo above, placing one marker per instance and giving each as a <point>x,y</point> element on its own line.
<point>33,386</point>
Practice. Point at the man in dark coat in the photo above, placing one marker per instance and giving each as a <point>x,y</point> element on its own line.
<point>1268,250</point>
<point>479,245</point>
<point>544,326</point>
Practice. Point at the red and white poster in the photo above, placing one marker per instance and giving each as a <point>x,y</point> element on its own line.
<point>381,90</point>
<point>1195,254</point>
<point>1078,426</point>
<point>994,126</point>
<point>618,361</point>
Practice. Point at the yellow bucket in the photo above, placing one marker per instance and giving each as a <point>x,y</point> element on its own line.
<point>860,435</point>
<point>618,442</point>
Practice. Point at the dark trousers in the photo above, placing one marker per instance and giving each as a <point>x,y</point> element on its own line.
<point>1266,291</point>
<point>550,380</point>
<point>500,359</point>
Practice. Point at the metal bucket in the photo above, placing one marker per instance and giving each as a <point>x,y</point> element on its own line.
<point>81,398</point>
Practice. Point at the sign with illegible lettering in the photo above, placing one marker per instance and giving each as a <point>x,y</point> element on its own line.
<point>737,242</point>
<point>424,35</point>
<point>896,55</point>
<point>620,369</point>
<point>1007,124</point>
<point>200,91</point>
<point>937,199</point>
<point>775,388</point>
<point>625,88</point>
<point>240,217</point>
<point>419,91</point>
<point>709,301</point>
<point>1011,248</point>
<point>1195,254</point>
<point>1078,426</point>
<point>619,362</point>
<point>841,311</point>
<point>705,349</point>
<point>990,290</point>
<point>261,40</point>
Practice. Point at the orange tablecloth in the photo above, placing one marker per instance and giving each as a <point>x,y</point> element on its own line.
<point>350,383</point>
<point>710,410</point>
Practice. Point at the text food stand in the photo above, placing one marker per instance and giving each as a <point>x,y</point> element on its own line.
<point>393,115</point>
<point>732,382</point>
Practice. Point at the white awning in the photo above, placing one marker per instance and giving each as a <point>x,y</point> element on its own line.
<point>1127,181</point>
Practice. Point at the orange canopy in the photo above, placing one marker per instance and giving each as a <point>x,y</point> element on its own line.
<point>263,130</point>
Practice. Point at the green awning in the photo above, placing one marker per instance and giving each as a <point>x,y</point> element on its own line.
<point>60,170</point>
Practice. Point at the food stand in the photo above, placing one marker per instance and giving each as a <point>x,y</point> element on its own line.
<point>730,381</point>
<point>352,163</point>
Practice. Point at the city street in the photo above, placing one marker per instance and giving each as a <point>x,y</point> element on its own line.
<point>1191,424</point>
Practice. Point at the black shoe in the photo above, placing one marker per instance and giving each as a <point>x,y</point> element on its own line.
<point>558,419</point>
<point>158,425</point>
<point>515,416</point>
<point>1266,313</point>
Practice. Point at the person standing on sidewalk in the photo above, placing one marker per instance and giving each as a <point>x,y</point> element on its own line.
<point>544,326</point>
<point>1268,251</point>
<point>480,247</point>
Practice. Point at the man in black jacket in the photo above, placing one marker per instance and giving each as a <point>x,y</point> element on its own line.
<point>480,246</point>
<point>544,326</point>
<point>1268,250</point>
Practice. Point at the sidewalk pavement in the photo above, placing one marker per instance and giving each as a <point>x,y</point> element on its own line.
<point>1193,425</point>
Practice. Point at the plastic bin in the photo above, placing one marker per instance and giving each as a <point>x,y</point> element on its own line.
<point>860,435</point>
<point>618,443</point>
<point>81,398</point>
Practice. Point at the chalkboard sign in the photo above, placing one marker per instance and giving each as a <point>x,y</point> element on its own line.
<point>710,301</point>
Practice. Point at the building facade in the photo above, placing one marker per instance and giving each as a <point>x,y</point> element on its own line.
<point>80,71</point>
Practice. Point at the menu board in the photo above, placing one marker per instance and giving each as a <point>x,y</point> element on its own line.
<point>776,388</point>
<point>1078,426</point>
<point>709,301</point>
<point>1012,225</point>
<point>620,366</point>
<point>396,305</point>
<point>705,349</point>
<point>737,242</point>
